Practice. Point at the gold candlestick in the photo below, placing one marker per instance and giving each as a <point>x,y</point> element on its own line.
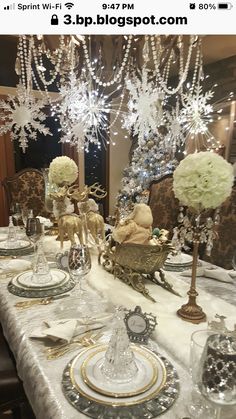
<point>192,312</point>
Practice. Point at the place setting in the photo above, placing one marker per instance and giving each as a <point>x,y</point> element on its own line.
<point>40,281</point>
<point>13,243</point>
<point>120,378</point>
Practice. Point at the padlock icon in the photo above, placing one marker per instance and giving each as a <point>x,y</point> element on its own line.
<point>54,20</point>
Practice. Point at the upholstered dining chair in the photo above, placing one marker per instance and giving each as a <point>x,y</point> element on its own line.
<point>224,246</point>
<point>12,394</point>
<point>26,188</point>
<point>163,203</point>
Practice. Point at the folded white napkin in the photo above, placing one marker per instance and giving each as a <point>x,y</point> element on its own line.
<point>217,273</point>
<point>66,329</point>
<point>14,265</point>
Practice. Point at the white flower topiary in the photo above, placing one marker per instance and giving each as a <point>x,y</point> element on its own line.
<point>63,171</point>
<point>203,180</point>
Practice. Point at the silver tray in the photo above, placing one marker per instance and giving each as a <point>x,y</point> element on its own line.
<point>20,291</point>
<point>148,409</point>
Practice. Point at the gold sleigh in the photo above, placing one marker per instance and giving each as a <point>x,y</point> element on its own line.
<point>135,263</point>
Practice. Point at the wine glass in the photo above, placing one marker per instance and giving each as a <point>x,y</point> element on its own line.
<point>33,231</point>
<point>15,211</point>
<point>79,263</point>
<point>199,408</point>
<point>85,303</point>
<point>25,214</point>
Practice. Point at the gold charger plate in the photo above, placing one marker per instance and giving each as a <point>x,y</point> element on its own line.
<point>144,379</point>
<point>86,391</point>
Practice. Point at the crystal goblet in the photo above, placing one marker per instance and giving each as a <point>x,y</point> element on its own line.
<point>217,380</point>
<point>199,407</point>
<point>33,229</point>
<point>79,264</point>
<point>16,213</point>
<point>25,214</point>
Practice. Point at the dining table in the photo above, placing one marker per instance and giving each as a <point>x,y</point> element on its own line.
<point>42,378</point>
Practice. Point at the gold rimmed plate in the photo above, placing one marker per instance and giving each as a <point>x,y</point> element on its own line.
<point>144,379</point>
<point>22,244</point>
<point>180,260</point>
<point>78,381</point>
<point>63,284</point>
<point>24,280</point>
<point>24,248</point>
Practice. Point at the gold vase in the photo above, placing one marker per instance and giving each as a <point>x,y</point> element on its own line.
<point>191,312</point>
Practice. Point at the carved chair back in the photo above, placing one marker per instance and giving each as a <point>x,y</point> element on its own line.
<point>164,205</point>
<point>28,189</point>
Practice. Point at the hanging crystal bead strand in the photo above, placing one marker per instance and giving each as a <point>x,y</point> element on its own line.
<point>182,77</point>
<point>118,76</point>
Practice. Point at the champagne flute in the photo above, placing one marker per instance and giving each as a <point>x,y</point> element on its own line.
<point>33,232</point>
<point>234,261</point>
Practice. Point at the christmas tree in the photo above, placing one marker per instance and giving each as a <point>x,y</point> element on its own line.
<point>149,161</point>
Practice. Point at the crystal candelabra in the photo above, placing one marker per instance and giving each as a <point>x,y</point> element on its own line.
<point>196,229</point>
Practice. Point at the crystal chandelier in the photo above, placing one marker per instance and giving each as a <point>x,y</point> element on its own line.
<point>91,97</point>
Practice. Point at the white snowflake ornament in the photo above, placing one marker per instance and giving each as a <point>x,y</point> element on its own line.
<point>83,114</point>
<point>195,111</point>
<point>145,106</point>
<point>22,115</point>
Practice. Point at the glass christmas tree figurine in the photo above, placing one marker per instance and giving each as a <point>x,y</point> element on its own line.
<point>119,364</point>
<point>12,241</point>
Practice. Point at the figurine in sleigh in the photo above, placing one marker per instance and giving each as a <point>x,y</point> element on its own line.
<point>133,254</point>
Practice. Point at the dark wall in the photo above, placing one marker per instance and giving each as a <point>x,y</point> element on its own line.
<point>8,47</point>
<point>40,153</point>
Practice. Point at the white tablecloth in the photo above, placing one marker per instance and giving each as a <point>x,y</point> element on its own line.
<point>42,378</point>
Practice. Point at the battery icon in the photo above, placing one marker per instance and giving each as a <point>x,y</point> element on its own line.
<point>225,6</point>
